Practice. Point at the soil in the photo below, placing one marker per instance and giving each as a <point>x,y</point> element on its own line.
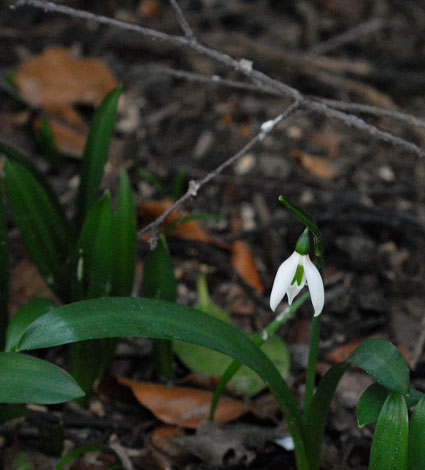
<point>367,197</point>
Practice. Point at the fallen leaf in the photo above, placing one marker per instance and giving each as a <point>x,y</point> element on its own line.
<point>189,230</point>
<point>244,264</point>
<point>25,284</point>
<point>149,9</point>
<point>56,82</point>
<point>317,166</point>
<point>186,407</point>
<point>329,141</point>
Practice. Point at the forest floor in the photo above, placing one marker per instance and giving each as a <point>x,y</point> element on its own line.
<point>367,196</point>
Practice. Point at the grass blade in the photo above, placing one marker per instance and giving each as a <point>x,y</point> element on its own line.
<point>96,154</point>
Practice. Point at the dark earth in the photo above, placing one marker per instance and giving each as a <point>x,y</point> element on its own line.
<point>366,195</point>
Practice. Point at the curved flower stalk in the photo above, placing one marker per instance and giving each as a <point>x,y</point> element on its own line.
<point>294,273</point>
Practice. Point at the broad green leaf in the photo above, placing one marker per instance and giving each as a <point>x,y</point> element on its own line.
<point>390,440</point>
<point>118,317</point>
<point>213,364</point>
<point>383,361</point>
<point>315,421</point>
<point>96,153</point>
<point>125,238</point>
<point>95,251</point>
<point>4,273</point>
<point>158,273</point>
<point>302,215</point>
<point>159,282</point>
<point>26,379</point>
<point>41,225</point>
<point>372,400</point>
<point>417,437</point>
<point>93,271</point>
<point>259,339</point>
<point>23,318</point>
<point>370,404</point>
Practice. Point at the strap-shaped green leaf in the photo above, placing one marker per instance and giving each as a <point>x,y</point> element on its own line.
<point>92,274</point>
<point>41,224</point>
<point>96,153</point>
<point>94,253</point>
<point>4,273</point>
<point>125,237</point>
<point>417,437</point>
<point>315,421</point>
<point>302,215</point>
<point>372,400</point>
<point>383,361</point>
<point>27,379</point>
<point>159,281</point>
<point>27,314</point>
<point>118,317</point>
<point>390,440</point>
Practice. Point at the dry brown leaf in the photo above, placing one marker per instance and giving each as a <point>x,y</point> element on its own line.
<point>317,166</point>
<point>149,9</point>
<point>244,264</point>
<point>25,284</point>
<point>189,230</point>
<point>186,407</point>
<point>56,81</point>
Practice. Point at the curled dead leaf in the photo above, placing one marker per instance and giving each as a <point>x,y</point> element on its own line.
<point>244,264</point>
<point>56,82</point>
<point>317,166</point>
<point>182,406</point>
<point>189,230</point>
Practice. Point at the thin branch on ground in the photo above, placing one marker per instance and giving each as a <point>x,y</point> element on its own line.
<point>195,186</point>
<point>351,35</point>
<point>216,80</point>
<point>243,66</point>
<point>182,20</point>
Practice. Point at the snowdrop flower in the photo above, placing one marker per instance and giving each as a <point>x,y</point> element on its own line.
<point>294,273</point>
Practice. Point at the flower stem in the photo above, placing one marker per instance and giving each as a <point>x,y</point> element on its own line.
<point>315,334</point>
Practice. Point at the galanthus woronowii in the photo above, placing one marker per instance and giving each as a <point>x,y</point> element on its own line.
<point>294,273</point>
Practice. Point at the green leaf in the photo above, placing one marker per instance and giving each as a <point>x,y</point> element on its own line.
<point>27,314</point>
<point>46,140</point>
<point>96,153</point>
<point>213,364</point>
<point>93,271</point>
<point>159,282</point>
<point>372,400</point>
<point>95,251</point>
<point>118,317</point>
<point>383,361</point>
<point>370,404</point>
<point>125,238</point>
<point>158,273</point>
<point>315,421</point>
<point>302,215</point>
<point>417,437</point>
<point>17,157</point>
<point>26,379</point>
<point>41,225</point>
<point>390,441</point>
<point>4,273</point>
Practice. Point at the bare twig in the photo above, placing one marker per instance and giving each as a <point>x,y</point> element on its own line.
<point>349,36</point>
<point>182,20</point>
<point>242,66</point>
<point>360,108</point>
<point>194,186</point>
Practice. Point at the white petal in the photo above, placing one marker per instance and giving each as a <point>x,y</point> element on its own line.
<point>315,285</point>
<point>284,276</point>
<point>294,289</point>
